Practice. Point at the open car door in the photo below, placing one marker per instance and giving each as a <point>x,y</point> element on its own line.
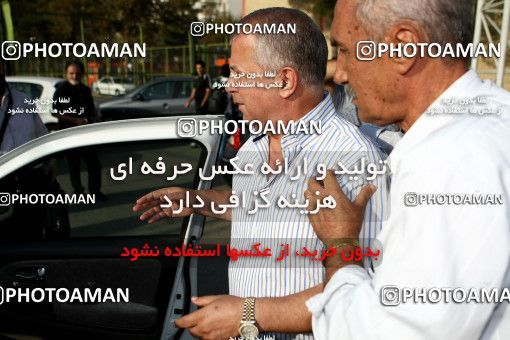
<point>48,245</point>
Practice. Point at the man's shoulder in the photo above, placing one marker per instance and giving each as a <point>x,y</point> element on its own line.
<point>62,87</point>
<point>21,100</point>
<point>18,97</point>
<point>475,133</point>
<point>84,88</point>
<point>340,134</point>
<point>465,145</point>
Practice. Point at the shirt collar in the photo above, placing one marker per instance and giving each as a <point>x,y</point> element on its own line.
<point>323,113</point>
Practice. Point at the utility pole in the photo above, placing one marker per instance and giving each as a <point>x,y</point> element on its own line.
<point>140,32</point>
<point>192,54</point>
<point>8,34</point>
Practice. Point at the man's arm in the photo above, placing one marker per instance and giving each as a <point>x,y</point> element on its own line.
<point>191,97</point>
<point>152,202</point>
<point>424,247</point>
<point>206,97</point>
<point>349,215</point>
<point>218,197</point>
<point>220,316</point>
<point>287,314</point>
<point>91,106</point>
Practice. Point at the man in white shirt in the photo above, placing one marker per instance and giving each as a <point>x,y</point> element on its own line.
<point>448,232</point>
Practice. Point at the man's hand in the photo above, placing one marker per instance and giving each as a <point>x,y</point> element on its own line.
<point>187,103</point>
<point>219,317</point>
<point>345,220</point>
<point>153,200</point>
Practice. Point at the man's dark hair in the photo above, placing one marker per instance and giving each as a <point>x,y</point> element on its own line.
<point>200,62</point>
<point>306,50</point>
<point>76,63</point>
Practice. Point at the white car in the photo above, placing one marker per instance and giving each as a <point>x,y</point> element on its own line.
<point>72,245</point>
<point>114,86</point>
<point>42,88</point>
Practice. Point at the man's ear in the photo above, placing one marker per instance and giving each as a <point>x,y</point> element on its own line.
<point>289,78</point>
<point>406,32</point>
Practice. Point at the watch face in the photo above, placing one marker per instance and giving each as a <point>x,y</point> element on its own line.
<point>248,331</point>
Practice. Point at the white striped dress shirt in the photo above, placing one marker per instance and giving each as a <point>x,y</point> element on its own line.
<point>340,141</point>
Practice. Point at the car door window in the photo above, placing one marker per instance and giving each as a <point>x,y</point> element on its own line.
<point>33,91</point>
<point>80,216</point>
<point>159,91</point>
<point>183,89</point>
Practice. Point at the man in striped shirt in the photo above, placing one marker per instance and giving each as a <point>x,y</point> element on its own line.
<point>280,287</point>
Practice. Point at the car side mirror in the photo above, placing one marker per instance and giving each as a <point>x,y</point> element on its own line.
<point>139,97</point>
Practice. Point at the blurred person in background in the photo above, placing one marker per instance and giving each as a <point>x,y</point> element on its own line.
<point>201,90</point>
<point>74,106</point>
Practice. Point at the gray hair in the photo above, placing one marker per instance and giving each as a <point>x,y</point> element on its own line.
<point>306,50</point>
<point>445,21</point>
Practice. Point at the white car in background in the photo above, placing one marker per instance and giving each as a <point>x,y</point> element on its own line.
<point>114,86</point>
<point>42,88</point>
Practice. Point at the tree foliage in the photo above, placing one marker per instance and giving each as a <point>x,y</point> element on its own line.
<point>162,22</point>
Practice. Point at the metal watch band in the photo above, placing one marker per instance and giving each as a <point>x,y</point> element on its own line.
<point>249,309</point>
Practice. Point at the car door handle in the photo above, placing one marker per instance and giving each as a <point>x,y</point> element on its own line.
<point>31,273</point>
<point>165,105</point>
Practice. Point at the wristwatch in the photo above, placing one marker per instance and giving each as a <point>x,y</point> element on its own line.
<point>248,328</point>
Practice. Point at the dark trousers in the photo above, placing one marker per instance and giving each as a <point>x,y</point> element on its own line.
<point>93,167</point>
<point>201,110</point>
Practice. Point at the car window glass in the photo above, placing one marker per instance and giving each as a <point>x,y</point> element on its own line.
<point>33,91</point>
<point>163,90</point>
<point>79,216</point>
<point>183,89</point>
<point>120,80</point>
